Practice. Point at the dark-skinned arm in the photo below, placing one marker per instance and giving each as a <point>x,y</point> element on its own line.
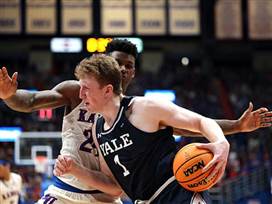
<point>27,101</point>
<point>249,121</point>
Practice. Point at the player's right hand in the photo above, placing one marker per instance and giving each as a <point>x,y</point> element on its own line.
<point>220,152</point>
<point>63,165</point>
<point>8,85</point>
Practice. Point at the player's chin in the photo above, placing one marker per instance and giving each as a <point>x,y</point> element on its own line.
<point>91,109</point>
<point>88,106</point>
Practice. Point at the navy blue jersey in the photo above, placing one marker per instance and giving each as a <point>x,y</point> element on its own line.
<point>140,161</point>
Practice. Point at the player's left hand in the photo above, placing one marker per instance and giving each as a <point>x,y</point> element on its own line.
<point>253,120</point>
<point>220,152</point>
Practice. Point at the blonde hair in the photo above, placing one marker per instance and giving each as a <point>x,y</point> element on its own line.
<point>104,68</point>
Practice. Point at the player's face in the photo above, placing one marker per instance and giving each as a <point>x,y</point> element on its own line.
<point>4,170</point>
<point>127,65</point>
<point>93,95</point>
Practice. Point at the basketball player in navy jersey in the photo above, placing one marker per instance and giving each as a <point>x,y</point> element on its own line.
<point>67,94</point>
<point>134,136</point>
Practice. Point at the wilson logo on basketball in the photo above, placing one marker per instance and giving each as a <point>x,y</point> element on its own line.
<point>199,183</point>
<point>194,168</point>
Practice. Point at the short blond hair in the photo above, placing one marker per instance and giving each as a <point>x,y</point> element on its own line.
<point>104,68</point>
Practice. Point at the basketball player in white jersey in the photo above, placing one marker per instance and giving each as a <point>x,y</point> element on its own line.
<point>77,142</point>
<point>10,184</point>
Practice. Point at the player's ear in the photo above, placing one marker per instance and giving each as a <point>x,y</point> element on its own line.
<point>108,90</point>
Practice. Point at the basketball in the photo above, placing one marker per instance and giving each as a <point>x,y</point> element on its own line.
<point>187,167</point>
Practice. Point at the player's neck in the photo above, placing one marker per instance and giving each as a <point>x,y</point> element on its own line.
<point>111,110</point>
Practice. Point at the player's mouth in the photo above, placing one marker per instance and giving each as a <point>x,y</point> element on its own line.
<point>124,76</point>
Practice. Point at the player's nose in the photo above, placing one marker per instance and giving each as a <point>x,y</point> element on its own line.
<point>81,94</point>
<point>122,68</point>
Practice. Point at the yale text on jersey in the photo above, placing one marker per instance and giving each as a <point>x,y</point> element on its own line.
<point>116,144</point>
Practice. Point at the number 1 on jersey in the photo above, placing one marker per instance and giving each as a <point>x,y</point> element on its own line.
<point>117,161</point>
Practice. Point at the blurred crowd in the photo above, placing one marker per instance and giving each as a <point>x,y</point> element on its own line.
<point>222,92</point>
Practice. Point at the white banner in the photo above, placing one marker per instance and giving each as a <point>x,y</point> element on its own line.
<point>260,15</point>
<point>41,16</point>
<point>66,45</point>
<point>228,19</point>
<point>184,17</point>
<point>10,16</point>
<point>150,17</point>
<point>116,17</point>
<point>76,17</point>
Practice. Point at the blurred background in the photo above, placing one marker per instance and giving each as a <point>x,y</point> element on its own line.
<point>211,56</point>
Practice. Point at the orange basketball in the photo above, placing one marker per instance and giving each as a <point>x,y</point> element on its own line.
<point>187,166</point>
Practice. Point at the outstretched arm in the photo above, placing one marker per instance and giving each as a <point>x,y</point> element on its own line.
<point>92,178</point>
<point>249,121</point>
<point>27,101</point>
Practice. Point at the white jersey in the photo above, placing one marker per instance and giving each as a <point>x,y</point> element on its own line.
<point>77,143</point>
<point>10,190</point>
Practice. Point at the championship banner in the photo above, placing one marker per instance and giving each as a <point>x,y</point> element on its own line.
<point>41,16</point>
<point>228,19</point>
<point>76,17</point>
<point>10,16</point>
<point>116,17</point>
<point>150,17</point>
<point>184,17</point>
<point>260,15</point>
